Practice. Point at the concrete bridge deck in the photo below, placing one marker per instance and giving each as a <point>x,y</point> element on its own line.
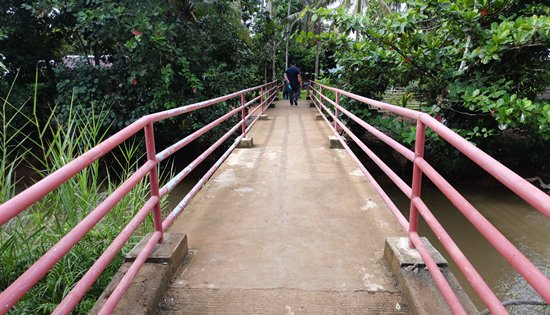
<point>287,227</point>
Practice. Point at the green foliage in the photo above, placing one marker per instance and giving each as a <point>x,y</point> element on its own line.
<point>479,65</point>
<point>143,57</point>
<point>28,236</point>
<point>11,155</point>
<point>506,57</point>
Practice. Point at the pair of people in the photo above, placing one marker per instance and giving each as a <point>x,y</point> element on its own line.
<point>294,78</point>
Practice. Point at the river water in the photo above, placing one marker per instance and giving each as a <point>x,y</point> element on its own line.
<point>525,227</point>
<point>521,224</point>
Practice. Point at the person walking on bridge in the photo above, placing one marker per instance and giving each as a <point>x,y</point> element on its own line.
<point>293,75</point>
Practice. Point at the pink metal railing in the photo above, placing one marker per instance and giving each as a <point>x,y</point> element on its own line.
<point>522,188</point>
<point>25,199</point>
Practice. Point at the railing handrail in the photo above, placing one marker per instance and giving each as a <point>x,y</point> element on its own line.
<point>518,185</point>
<point>535,197</point>
<point>29,196</point>
<point>39,190</point>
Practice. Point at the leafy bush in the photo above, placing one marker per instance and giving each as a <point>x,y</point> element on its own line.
<point>477,65</point>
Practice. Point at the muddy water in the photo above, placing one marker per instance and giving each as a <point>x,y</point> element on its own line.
<point>526,228</point>
<point>521,224</point>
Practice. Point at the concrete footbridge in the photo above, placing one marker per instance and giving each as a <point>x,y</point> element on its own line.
<point>287,221</point>
<point>287,225</point>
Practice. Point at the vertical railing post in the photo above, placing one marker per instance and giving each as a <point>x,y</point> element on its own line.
<point>153,176</point>
<point>262,98</point>
<point>320,98</point>
<point>417,176</point>
<point>307,90</point>
<point>243,114</point>
<point>336,112</point>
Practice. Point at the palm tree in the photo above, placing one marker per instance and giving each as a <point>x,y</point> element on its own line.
<point>293,19</point>
<point>356,6</point>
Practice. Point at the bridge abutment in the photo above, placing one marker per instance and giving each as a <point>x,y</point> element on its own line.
<point>416,280</point>
<point>153,279</point>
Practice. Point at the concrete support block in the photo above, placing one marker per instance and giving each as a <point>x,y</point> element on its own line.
<point>318,116</point>
<point>263,117</point>
<point>246,143</point>
<point>334,143</point>
<point>171,251</point>
<point>417,283</point>
<point>148,286</point>
<point>398,253</point>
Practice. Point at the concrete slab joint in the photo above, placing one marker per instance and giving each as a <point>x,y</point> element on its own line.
<point>246,143</point>
<point>334,143</point>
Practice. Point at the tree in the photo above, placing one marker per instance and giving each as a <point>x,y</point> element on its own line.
<point>485,88</point>
<point>146,56</point>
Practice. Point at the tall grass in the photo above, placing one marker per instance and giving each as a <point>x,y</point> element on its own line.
<point>10,151</point>
<point>25,238</point>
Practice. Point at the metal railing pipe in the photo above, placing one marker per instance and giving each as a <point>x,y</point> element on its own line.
<point>125,282</point>
<point>416,177</point>
<point>383,166</point>
<point>183,203</point>
<point>189,108</point>
<point>164,154</point>
<point>387,200</point>
<point>272,98</point>
<point>439,279</point>
<point>252,123</point>
<point>326,98</point>
<point>29,278</point>
<point>251,112</point>
<point>29,196</point>
<point>262,97</point>
<point>336,113</point>
<point>153,176</point>
<point>183,173</point>
<point>535,197</point>
<point>401,149</point>
<point>408,154</point>
<point>467,269</point>
<point>392,108</point>
<point>320,94</point>
<point>504,247</point>
<point>86,282</point>
<point>243,116</point>
<point>252,101</point>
